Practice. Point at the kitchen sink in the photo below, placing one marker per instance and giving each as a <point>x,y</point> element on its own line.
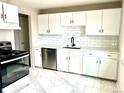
<point>72,47</point>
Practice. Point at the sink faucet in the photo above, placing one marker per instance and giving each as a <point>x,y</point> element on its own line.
<point>72,42</point>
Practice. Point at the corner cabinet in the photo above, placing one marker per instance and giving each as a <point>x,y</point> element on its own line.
<point>99,64</point>
<point>69,60</point>
<point>9,16</point>
<point>73,19</point>
<point>49,24</point>
<point>103,22</point>
<point>37,57</point>
<point>1,13</point>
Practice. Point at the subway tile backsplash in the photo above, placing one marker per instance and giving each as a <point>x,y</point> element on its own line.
<point>80,39</point>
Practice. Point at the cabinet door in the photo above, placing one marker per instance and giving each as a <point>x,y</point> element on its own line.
<point>79,18</point>
<point>93,22</point>
<point>66,19</point>
<point>10,13</point>
<point>1,13</point>
<point>111,21</point>
<point>75,63</point>
<point>108,68</point>
<point>62,60</point>
<point>43,24</point>
<point>37,58</point>
<point>90,66</point>
<point>54,24</point>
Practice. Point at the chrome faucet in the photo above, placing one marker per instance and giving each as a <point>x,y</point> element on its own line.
<point>72,42</point>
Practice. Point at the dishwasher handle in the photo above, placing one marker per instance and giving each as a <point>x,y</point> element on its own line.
<point>49,50</point>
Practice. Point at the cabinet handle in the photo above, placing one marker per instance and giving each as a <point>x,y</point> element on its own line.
<point>102,30</point>
<point>109,55</point>
<point>48,30</point>
<point>72,21</point>
<point>90,53</point>
<point>5,16</point>
<point>69,58</point>
<point>99,61</point>
<point>66,58</point>
<point>1,16</point>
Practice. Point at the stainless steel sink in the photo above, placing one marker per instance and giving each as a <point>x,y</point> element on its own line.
<point>72,47</point>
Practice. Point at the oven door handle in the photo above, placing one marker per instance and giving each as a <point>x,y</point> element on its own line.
<point>14,59</point>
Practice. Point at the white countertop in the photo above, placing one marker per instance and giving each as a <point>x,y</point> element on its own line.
<point>112,50</point>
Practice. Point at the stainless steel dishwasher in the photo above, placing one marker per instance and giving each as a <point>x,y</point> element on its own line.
<point>49,59</point>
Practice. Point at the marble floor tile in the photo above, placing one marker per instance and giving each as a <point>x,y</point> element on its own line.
<point>49,81</point>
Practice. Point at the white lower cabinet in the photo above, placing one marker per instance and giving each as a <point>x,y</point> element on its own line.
<point>75,62</point>
<point>108,68</point>
<point>37,57</point>
<point>62,60</point>
<point>100,66</point>
<point>90,66</point>
<point>69,60</point>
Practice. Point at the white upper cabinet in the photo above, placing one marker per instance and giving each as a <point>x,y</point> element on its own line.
<point>111,21</point>
<point>93,22</point>
<point>8,16</point>
<point>49,24</point>
<point>54,23</point>
<point>43,24</point>
<point>10,13</point>
<point>1,13</point>
<point>79,18</point>
<point>73,19</point>
<point>66,19</point>
<point>103,22</point>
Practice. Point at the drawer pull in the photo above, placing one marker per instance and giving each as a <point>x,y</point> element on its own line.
<point>90,53</point>
<point>109,55</point>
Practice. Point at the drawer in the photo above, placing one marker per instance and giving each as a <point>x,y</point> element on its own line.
<point>109,55</point>
<point>75,52</point>
<point>91,54</point>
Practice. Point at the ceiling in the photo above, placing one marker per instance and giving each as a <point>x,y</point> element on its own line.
<point>47,4</point>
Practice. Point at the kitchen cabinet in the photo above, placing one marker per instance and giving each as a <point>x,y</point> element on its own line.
<point>62,60</point>
<point>90,65</point>
<point>75,62</point>
<point>103,22</point>
<point>108,68</point>
<point>9,16</point>
<point>69,60</point>
<point>103,65</point>
<point>1,13</point>
<point>37,57</point>
<point>49,24</point>
<point>73,19</point>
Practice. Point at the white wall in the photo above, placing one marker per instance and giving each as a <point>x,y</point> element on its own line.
<point>7,35</point>
<point>121,64</point>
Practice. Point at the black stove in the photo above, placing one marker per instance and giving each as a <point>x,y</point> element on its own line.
<point>7,53</point>
<point>12,54</point>
<point>14,64</point>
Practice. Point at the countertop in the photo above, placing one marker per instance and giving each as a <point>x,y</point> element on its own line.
<point>111,50</point>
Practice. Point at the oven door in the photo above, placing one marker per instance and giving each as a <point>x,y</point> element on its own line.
<point>14,69</point>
